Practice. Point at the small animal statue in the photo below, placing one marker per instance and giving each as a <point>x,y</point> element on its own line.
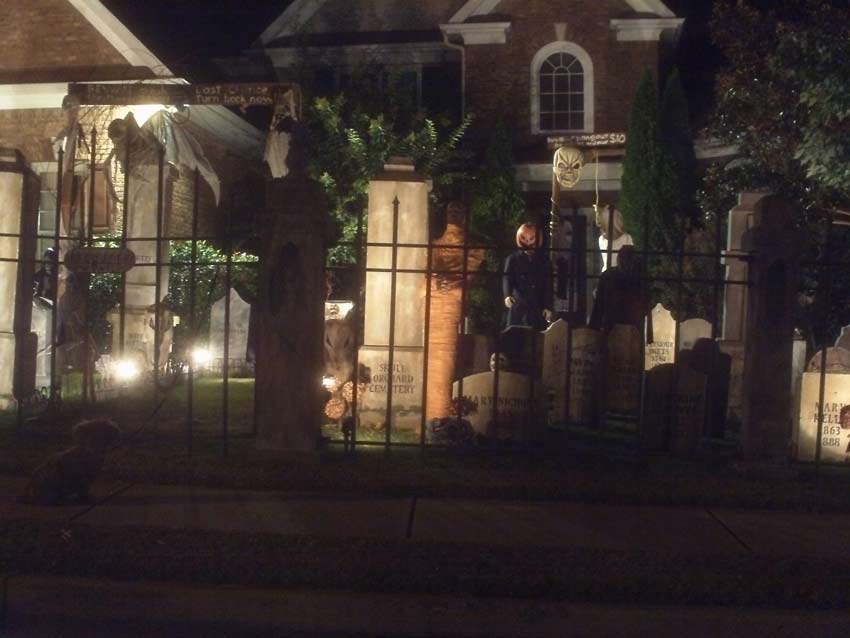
<point>69,474</point>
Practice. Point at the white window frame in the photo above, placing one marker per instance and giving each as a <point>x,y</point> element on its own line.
<point>587,67</point>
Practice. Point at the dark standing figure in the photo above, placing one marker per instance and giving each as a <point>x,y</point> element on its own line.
<point>527,281</point>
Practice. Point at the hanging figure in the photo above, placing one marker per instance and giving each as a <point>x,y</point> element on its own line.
<point>527,281</point>
<point>611,224</point>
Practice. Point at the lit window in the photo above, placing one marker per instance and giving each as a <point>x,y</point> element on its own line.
<point>561,89</point>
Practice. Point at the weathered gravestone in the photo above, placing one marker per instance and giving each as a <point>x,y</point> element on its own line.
<point>523,346</point>
<point>674,409</point>
<point>836,359</point>
<point>240,318</point>
<point>42,326</point>
<point>835,430</point>
<point>662,348</point>
<point>583,362</point>
<point>775,246</point>
<point>843,340</point>
<point>554,375</point>
<point>509,406</point>
<point>692,330</point>
<point>705,357</point>
<point>623,369</point>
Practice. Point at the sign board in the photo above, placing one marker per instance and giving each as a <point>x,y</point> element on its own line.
<point>100,260</point>
<point>589,140</point>
<point>241,95</point>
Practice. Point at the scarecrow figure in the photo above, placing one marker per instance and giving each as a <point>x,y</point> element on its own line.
<point>527,281</point>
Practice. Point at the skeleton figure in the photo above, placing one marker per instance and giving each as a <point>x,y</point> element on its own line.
<point>499,361</point>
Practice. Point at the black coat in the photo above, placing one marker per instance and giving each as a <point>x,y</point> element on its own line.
<point>528,279</point>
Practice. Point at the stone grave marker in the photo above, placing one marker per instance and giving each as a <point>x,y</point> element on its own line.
<point>837,360</point>
<point>707,358</point>
<point>554,375</point>
<point>662,348</point>
<point>514,410</point>
<point>240,317</point>
<point>692,330</point>
<point>585,351</point>
<point>835,432</point>
<point>843,340</point>
<point>674,409</point>
<point>523,346</point>
<point>42,326</point>
<point>623,369</point>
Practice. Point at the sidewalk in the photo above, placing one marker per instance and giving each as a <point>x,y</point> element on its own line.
<point>683,530</point>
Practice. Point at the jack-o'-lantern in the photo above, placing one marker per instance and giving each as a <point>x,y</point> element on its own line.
<point>528,237</point>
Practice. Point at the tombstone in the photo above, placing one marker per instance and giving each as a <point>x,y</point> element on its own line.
<point>835,431</point>
<point>583,363</point>
<point>843,339</point>
<point>42,326</point>
<point>397,183</point>
<point>837,360</point>
<point>662,348</point>
<point>798,367</point>
<point>674,409</point>
<point>554,374</point>
<point>19,193</point>
<point>705,357</point>
<point>509,406</point>
<point>523,346</point>
<point>691,331</point>
<point>624,363</point>
<point>240,317</point>
<point>775,246</point>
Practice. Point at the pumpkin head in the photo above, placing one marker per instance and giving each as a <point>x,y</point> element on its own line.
<point>528,237</point>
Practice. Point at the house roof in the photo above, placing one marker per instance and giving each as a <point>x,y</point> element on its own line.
<point>314,17</point>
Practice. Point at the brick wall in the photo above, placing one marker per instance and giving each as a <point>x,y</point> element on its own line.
<point>49,40</point>
<point>499,76</point>
<point>30,130</point>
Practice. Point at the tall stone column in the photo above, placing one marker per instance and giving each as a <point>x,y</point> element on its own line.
<point>775,245</point>
<point>395,356</point>
<point>19,192</point>
<point>290,306</point>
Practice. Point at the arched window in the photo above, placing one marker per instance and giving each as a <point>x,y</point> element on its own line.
<point>561,89</point>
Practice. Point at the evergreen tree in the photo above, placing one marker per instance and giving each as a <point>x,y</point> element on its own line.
<point>677,138</point>
<point>648,184</point>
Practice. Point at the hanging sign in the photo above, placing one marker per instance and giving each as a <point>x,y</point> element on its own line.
<point>589,140</point>
<point>99,260</point>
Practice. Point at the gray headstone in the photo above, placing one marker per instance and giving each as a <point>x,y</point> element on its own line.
<point>692,330</point>
<point>837,361</point>
<point>555,369</point>
<point>240,316</point>
<point>623,369</point>
<point>674,409</point>
<point>509,407</point>
<point>707,358</point>
<point>843,340</point>
<point>583,362</point>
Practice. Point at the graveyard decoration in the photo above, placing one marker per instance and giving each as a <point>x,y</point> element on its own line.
<point>661,348</point>
<point>235,331</point>
<point>832,418</point>
<point>290,308</point>
<point>397,240</point>
<point>775,244</point>
<point>706,357</point>
<point>674,409</point>
<point>527,281</point>
<point>451,265</point>
<point>19,193</point>
<point>610,223</point>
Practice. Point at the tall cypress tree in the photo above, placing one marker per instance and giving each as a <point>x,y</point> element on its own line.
<point>676,137</point>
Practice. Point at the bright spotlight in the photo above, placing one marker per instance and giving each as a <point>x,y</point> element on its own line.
<point>126,370</point>
<point>201,357</point>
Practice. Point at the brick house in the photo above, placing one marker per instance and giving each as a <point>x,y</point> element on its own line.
<point>48,44</point>
<point>546,68</point>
